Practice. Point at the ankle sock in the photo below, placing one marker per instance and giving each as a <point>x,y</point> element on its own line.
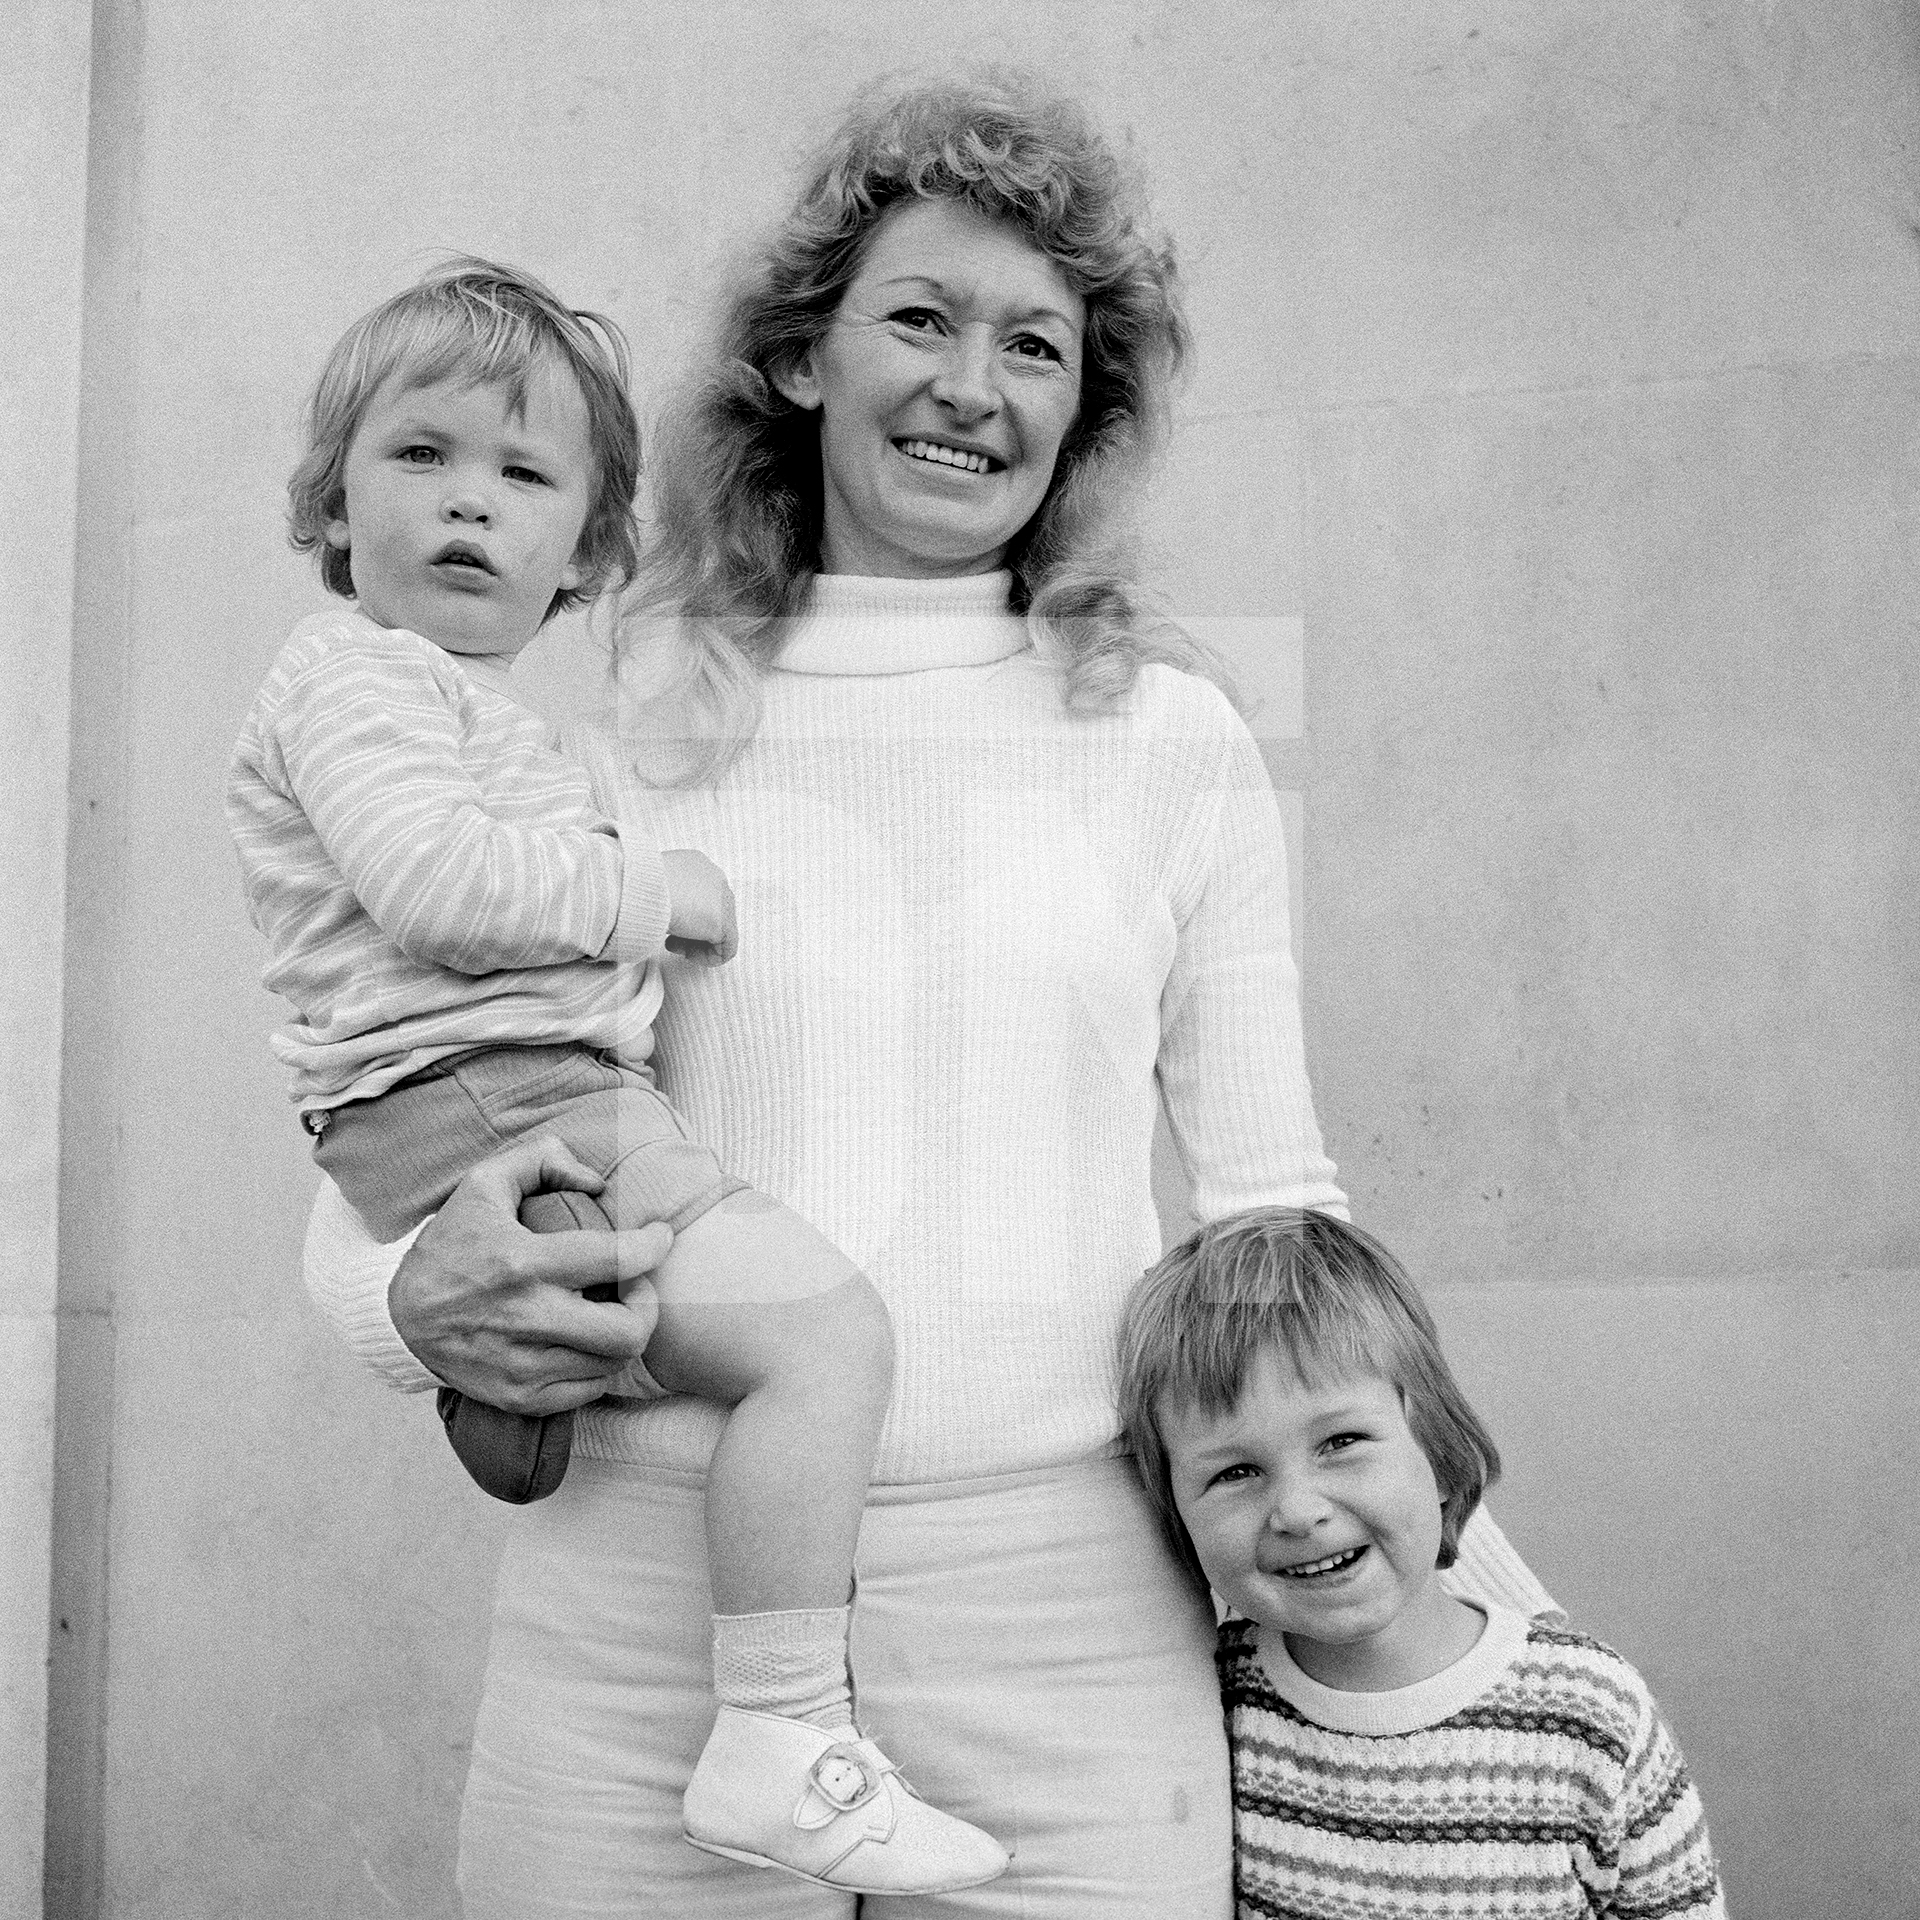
<point>793,1663</point>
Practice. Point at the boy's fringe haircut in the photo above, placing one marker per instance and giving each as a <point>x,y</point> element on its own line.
<point>1329,1297</point>
<point>473,321</point>
<point>737,490</point>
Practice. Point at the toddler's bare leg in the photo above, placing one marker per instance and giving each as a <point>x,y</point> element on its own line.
<point>760,1311</point>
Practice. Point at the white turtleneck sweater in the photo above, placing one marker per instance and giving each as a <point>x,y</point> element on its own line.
<point>981,938</point>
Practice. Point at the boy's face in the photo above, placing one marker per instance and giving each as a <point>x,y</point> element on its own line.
<point>462,517</point>
<point>1313,1511</point>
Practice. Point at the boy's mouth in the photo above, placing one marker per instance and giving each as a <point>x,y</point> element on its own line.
<point>1314,1569</point>
<point>460,554</point>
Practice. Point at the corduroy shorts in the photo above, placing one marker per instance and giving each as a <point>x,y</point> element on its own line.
<point>397,1157</point>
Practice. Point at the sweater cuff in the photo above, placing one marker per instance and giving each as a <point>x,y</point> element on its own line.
<point>347,1273</point>
<point>1488,1569</point>
<point>640,932</point>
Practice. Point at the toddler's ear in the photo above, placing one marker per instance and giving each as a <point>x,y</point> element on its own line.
<point>570,575</point>
<point>338,536</point>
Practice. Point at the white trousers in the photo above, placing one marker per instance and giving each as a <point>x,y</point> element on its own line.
<point>1023,1647</point>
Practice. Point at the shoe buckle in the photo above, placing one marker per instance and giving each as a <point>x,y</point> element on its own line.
<point>844,1777</point>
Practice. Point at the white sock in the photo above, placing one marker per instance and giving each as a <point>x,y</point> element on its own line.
<point>792,1663</point>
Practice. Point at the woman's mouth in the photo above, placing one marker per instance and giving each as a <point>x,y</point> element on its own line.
<point>939,454</point>
<point>1318,1569</point>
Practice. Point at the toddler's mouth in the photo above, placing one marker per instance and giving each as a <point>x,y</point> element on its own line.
<point>460,554</point>
<point>1313,1569</point>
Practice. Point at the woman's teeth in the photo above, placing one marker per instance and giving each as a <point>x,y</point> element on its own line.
<point>945,456</point>
<point>1330,1564</point>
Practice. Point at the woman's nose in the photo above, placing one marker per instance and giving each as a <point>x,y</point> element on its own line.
<point>965,381</point>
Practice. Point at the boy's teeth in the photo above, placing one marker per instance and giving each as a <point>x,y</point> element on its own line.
<point>944,456</point>
<point>1321,1566</point>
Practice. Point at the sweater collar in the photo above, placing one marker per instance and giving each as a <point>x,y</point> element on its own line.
<point>1404,1709</point>
<point>857,625</point>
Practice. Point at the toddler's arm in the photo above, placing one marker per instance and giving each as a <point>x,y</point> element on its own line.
<point>370,750</point>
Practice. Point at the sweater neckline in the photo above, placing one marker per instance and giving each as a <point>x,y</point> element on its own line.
<point>856,624</point>
<point>1402,1709</point>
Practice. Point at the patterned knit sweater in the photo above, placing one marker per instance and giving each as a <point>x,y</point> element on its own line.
<point>1532,1780</point>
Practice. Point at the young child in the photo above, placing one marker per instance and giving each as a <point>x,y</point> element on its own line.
<point>473,946</point>
<point>1398,1753</point>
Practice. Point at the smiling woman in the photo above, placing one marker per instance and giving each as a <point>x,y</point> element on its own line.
<point>1011,880</point>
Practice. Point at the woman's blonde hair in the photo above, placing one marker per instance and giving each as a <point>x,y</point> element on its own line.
<point>736,473</point>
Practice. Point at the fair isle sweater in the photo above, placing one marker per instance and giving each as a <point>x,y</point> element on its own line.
<point>1532,1780</point>
<point>981,939</point>
<point>429,874</point>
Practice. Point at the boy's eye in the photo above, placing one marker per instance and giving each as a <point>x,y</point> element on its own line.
<point>1340,1442</point>
<point>1227,1476</point>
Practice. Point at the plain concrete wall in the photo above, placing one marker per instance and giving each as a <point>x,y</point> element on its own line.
<point>1555,410</point>
<point>43,179</point>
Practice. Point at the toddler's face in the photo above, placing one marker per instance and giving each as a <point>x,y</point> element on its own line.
<point>462,517</point>
<point>1313,1509</point>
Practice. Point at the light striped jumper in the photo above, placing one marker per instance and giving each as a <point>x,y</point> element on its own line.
<point>430,875</point>
<point>1532,1780</point>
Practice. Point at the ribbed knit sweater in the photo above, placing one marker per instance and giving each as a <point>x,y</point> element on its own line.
<point>1532,1780</point>
<point>980,938</point>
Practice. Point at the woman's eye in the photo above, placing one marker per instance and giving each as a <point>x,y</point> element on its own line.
<point>1031,346</point>
<point>917,319</point>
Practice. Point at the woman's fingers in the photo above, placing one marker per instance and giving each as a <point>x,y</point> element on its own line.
<point>495,1310</point>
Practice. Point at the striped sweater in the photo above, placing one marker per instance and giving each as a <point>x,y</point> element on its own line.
<point>1532,1780</point>
<point>429,874</point>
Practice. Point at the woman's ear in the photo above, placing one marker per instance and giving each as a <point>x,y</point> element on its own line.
<point>797,381</point>
<point>338,537</point>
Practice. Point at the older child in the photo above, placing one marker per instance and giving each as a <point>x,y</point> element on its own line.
<point>1398,1752</point>
<point>473,946</point>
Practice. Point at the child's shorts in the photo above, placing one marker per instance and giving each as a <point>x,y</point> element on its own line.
<point>398,1156</point>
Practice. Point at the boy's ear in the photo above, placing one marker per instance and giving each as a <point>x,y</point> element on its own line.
<point>796,380</point>
<point>338,536</point>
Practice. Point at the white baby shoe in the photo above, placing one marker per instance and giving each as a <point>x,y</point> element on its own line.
<point>830,1807</point>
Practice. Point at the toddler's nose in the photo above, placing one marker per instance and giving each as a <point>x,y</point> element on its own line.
<point>467,505</point>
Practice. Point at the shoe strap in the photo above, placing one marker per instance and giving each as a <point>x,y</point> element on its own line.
<point>845,1777</point>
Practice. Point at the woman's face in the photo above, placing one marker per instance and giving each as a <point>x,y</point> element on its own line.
<point>945,385</point>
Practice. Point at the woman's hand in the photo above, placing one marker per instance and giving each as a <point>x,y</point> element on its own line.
<point>700,925</point>
<point>495,1309</point>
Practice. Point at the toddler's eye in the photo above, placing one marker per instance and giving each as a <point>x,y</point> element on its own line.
<point>419,456</point>
<point>526,473</point>
<point>1228,1476</point>
<point>1340,1442</point>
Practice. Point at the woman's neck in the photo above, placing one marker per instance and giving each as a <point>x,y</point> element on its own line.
<point>867,624</point>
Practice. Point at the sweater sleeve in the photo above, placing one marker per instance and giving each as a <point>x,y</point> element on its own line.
<point>347,1273</point>
<point>1666,1869</point>
<point>1232,1061</point>
<point>371,751</point>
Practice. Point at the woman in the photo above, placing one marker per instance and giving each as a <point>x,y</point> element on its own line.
<point>1010,874</point>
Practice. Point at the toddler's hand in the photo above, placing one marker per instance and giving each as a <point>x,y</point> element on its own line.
<point>701,925</point>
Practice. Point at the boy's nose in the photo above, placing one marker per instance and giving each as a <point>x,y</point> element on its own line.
<point>467,505</point>
<point>1295,1506</point>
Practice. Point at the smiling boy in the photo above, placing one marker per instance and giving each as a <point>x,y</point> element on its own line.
<point>1398,1752</point>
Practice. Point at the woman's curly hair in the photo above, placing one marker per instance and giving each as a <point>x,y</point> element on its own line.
<point>736,469</point>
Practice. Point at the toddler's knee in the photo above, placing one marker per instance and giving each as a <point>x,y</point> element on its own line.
<point>861,1333</point>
